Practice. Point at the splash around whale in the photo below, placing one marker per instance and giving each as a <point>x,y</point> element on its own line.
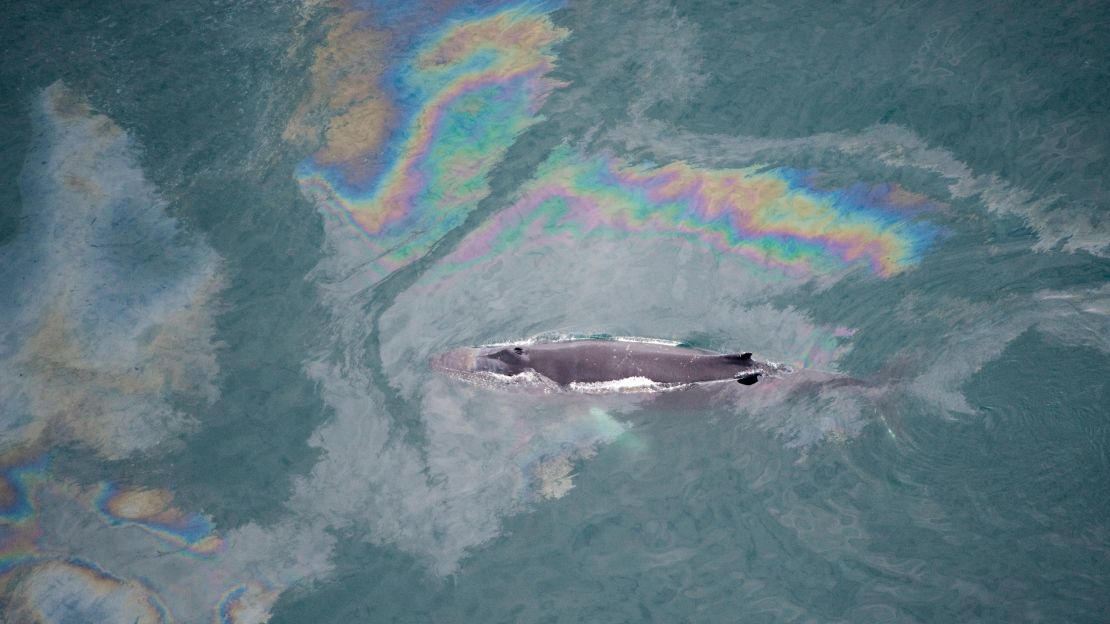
<point>600,365</point>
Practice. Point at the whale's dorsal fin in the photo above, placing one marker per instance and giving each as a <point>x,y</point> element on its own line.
<point>740,358</point>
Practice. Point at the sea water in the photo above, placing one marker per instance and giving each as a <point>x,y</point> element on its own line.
<point>232,234</point>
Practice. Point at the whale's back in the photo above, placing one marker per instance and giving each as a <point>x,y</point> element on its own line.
<point>596,361</point>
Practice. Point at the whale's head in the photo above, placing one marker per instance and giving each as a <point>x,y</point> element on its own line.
<point>508,360</point>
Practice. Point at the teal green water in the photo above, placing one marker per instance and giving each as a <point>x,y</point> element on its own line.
<point>216,404</point>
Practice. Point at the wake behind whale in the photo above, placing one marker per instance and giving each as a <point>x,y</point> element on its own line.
<point>600,365</point>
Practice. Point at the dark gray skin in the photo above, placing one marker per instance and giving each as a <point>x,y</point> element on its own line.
<point>592,361</point>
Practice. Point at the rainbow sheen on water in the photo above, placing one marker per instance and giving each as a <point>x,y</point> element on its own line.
<point>468,93</point>
<point>773,217</point>
<point>153,511</point>
<point>80,591</point>
<point>20,474</point>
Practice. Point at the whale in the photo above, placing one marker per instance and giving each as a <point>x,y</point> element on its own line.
<point>602,364</point>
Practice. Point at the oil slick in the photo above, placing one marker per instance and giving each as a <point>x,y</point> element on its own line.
<point>776,218</point>
<point>110,330</point>
<point>462,98</point>
<point>111,301</point>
